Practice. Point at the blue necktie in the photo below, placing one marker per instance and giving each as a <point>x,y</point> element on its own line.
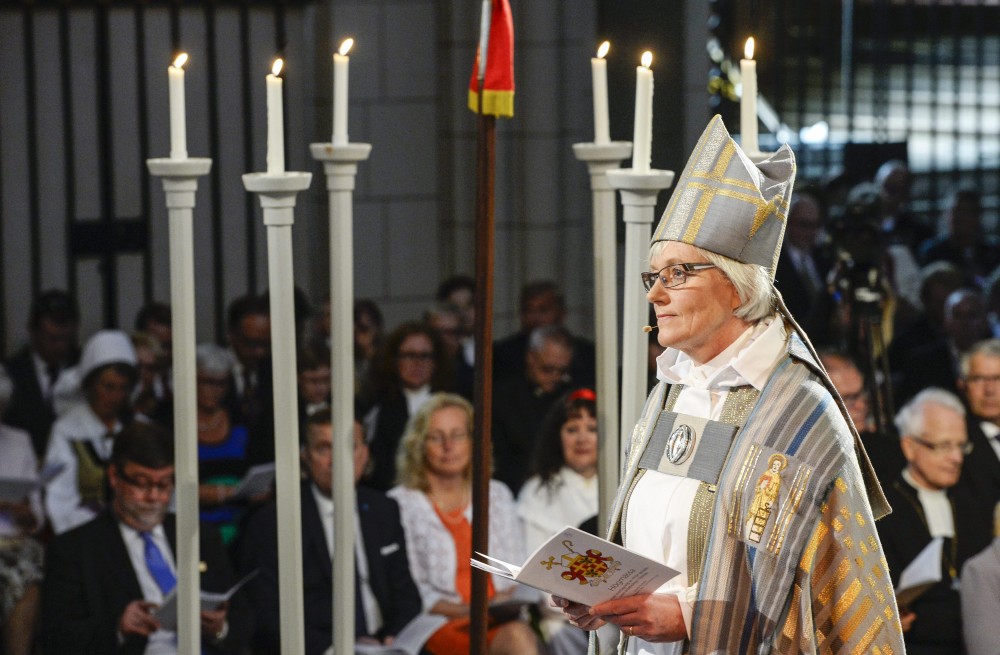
<point>158,566</point>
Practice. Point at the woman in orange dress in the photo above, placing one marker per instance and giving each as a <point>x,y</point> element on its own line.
<point>435,469</point>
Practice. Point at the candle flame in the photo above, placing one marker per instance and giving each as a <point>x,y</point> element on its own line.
<point>602,51</point>
<point>181,60</point>
<point>748,48</point>
<point>276,68</point>
<point>345,47</point>
<point>647,59</point>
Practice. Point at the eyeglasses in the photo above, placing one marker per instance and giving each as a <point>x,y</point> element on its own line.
<point>416,356</point>
<point>982,379</point>
<point>218,383</point>
<point>439,438</point>
<point>145,485</point>
<point>851,398</point>
<point>944,448</point>
<point>676,275</point>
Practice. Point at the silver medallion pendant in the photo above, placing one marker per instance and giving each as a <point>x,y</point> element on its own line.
<point>679,444</point>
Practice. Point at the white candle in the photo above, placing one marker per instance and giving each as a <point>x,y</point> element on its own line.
<point>599,73</point>
<point>178,122</point>
<point>642,139</point>
<point>748,100</point>
<point>341,62</point>
<point>275,122</point>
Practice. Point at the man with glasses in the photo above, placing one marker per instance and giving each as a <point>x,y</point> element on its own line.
<point>980,382</point>
<point>105,578</point>
<point>882,447</point>
<point>928,503</point>
<point>521,401</point>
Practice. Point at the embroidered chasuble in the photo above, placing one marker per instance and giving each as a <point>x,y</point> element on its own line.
<point>781,554</point>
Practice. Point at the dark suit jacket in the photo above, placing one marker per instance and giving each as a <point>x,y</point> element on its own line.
<point>795,290</point>
<point>27,408</point>
<point>89,580</point>
<point>388,570</point>
<point>519,409</point>
<point>904,533</point>
<point>981,468</point>
<point>932,365</point>
<point>393,415</point>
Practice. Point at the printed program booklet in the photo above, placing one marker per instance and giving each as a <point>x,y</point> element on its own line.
<point>585,569</point>
<point>16,489</point>
<point>410,639</point>
<point>256,481</point>
<point>166,613</point>
<point>921,574</point>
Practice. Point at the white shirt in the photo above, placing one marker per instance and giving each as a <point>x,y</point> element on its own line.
<point>570,500</point>
<point>415,398</point>
<point>17,461</point>
<point>62,495</point>
<point>372,611</point>
<point>992,431</point>
<point>161,642</point>
<point>937,508</point>
<point>238,380</point>
<point>658,514</point>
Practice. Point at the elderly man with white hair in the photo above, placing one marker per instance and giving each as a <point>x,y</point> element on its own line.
<point>929,503</point>
<point>743,473</point>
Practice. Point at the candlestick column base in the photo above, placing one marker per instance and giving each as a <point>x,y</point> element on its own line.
<point>601,158</point>
<point>340,164</point>
<point>180,182</point>
<point>639,191</point>
<point>277,193</point>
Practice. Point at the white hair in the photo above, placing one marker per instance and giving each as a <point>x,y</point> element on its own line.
<point>751,281</point>
<point>910,420</point>
<point>987,347</point>
<point>213,359</point>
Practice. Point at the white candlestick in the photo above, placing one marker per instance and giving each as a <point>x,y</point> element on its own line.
<point>178,121</point>
<point>341,65</point>
<point>748,101</point>
<point>642,139</point>
<point>599,73</point>
<point>275,123</point>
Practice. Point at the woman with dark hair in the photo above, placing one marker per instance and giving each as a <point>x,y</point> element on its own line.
<point>563,486</point>
<point>411,366</point>
<point>562,491</point>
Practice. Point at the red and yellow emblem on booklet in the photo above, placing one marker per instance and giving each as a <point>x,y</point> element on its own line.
<point>590,567</point>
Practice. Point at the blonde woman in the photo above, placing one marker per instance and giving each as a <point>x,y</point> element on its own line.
<point>434,467</point>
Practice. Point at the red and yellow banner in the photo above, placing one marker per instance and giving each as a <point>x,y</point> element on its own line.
<point>498,87</point>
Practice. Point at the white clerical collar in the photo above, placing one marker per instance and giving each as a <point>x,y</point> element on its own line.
<point>936,506</point>
<point>748,360</point>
